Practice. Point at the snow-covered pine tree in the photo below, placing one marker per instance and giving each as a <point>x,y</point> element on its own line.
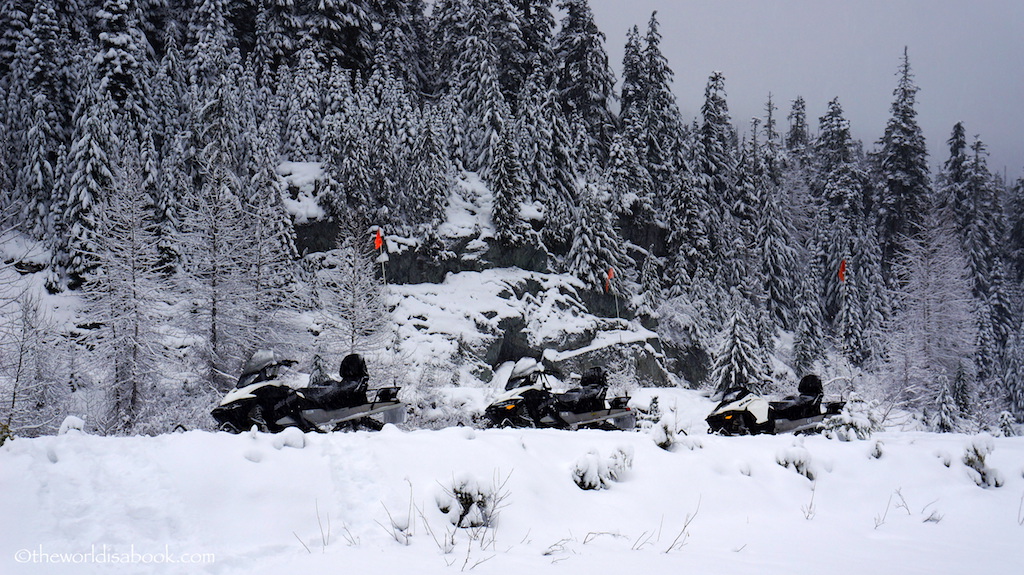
<point>477,83</point>
<point>903,170</point>
<point>340,30</point>
<point>448,27</point>
<point>402,42</point>
<point>661,124</point>
<point>353,312</point>
<point>933,328</point>
<point>208,44</point>
<point>534,133</point>
<point>777,255</point>
<point>809,334</point>
<point>123,298</point>
<point>537,27</point>
<point>1013,374</point>
<point>631,94</point>
<point>432,177</point>
<point>36,179</point>
<point>584,78</point>
<point>597,247</point>
<point>214,241</point>
<point>947,419</point>
<point>14,17</point>
<point>630,184</point>
<point>560,198</point>
<point>1016,226</point>
<point>737,362</point>
<point>504,25</point>
<point>509,189</point>
<point>651,296</point>
<point>981,225</point>
<point>713,163</point>
<point>94,151</point>
<point>121,61</point>
<point>304,110</point>
<point>798,135</point>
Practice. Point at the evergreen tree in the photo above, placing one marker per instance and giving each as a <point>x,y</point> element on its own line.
<point>432,176</point>
<point>650,298</point>
<point>120,60</point>
<point>537,27</point>
<point>633,89</point>
<point>661,124</point>
<point>583,78</point>
<point>713,163</point>
<point>509,189</point>
<point>809,336</point>
<point>341,31</point>
<point>351,296</point>
<point>947,420</point>
<point>933,328</point>
<point>1013,374</point>
<point>479,89</point>
<point>798,136</point>
<point>305,115</point>
<point>903,165</point>
<point>736,361</point>
<point>631,187</point>
<point>91,176</point>
<point>1016,224</point>
<point>597,246</point>
<point>402,42</point>
<point>14,17</point>
<point>777,255</point>
<point>125,296</point>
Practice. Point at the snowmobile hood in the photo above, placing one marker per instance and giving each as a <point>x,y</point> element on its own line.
<point>247,392</point>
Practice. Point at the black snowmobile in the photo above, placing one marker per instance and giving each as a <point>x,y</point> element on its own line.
<point>742,412</point>
<point>528,401</point>
<point>262,399</point>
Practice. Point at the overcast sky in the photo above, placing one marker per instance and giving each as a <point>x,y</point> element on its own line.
<point>967,58</point>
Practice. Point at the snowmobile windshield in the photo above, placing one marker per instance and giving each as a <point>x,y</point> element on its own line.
<point>733,394</point>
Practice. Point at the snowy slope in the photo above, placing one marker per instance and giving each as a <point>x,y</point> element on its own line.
<point>252,501</point>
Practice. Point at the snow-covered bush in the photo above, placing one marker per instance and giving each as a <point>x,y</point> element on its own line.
<point>974,458</point>
<point>858,420</point>
<point>647,418</point>
<point>877,452</point>
<point>594,472</point>
<point>70,423</point>
<point>798,459</point>
<point>1007,426</point>
<point>471,503</point>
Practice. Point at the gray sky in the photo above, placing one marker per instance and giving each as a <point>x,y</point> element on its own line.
<point>967,58</point>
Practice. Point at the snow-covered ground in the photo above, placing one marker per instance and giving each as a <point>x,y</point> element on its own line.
<point>900,502</point>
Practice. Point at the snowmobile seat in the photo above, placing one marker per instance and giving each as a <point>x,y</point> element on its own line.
<point>797,407</point>
<point>580,399</point>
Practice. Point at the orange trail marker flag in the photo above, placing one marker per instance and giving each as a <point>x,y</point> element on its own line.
<point>842,271</point>
<point>378,240</point>
<point>608,282</point>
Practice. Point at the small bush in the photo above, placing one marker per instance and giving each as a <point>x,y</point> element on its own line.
<point>468,503</point>
<point>858,420</point>
<point>1007,427</point>
<point>798,459</point>
<point>594,472</point>
<point>974,458</point>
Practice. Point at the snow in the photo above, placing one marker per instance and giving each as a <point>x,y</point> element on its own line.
<point>258,503</point>
<point>302,177</point>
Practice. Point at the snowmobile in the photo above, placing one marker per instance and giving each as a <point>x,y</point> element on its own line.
<point>742,412</point>
<point>261,398</point>
<point>528,401</point>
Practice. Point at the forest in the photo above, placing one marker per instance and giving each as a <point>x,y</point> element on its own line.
<point>143,155</point>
